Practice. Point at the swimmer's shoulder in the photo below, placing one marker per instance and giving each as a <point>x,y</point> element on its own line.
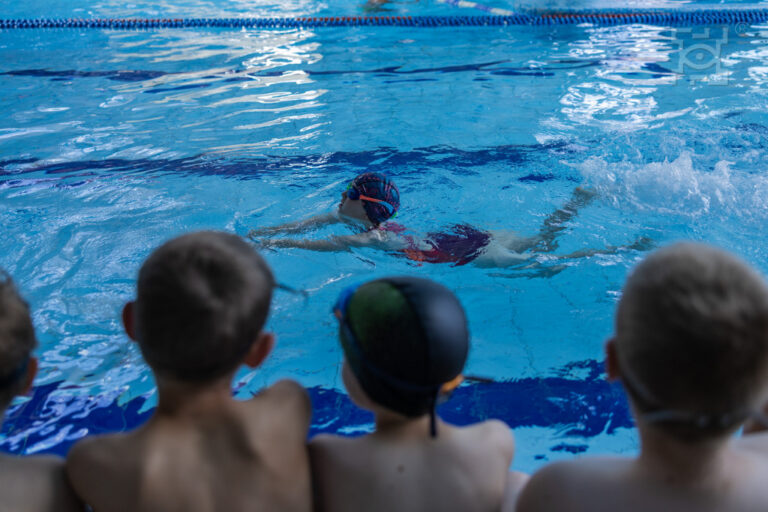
<point>390,236</point>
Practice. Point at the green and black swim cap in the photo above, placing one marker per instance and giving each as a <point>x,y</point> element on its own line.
<point>404,338</point>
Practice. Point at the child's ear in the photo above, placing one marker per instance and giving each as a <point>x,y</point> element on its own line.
<point>611,360</point>
<point>29,378</point>
<point>260,349</point>
<point>129,319</point>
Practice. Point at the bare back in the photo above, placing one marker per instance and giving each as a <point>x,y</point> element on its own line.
<point>35,484</point>
<point>244,456</point>
<point>736,484</point>
<point>463,469</point>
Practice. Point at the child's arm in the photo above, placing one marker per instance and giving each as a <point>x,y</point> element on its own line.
<point>300,226</point>
<point>333,244</point>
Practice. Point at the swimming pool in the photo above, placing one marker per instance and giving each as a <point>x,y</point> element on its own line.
<point>113,141</point>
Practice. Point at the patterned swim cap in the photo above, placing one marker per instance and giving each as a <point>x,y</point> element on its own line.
<point>405,339</point>
<point>378,186</point>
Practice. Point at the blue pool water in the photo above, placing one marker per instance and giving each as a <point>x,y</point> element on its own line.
<point>113,141</point>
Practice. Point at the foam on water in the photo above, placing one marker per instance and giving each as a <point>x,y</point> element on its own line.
<point>679,188</point>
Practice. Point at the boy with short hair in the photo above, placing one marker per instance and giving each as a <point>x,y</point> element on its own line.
<point>691,349</point>
<point>202,301</point>
<point>405,342</point>
<point>27,484</point>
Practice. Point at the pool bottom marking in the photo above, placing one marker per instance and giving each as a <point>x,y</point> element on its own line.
<point>580,408</point>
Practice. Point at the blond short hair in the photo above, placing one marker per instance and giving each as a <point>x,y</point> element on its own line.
<point>692,330</point>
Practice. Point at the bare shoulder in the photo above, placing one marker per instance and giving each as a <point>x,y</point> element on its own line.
<point>339,455</point>
<point>36,483</point>
<point>97,457</point>
<point>288,402</point>
<point>492,435</point>
<point>287,393</point>
<point>568,485</point>
<point>548,488</point>
<point>757,442</point>
<point>91,450</point>
<point>384,239</point>
<point>324,447</point>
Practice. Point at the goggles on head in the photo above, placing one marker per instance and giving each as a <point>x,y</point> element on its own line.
<point>354,194</point>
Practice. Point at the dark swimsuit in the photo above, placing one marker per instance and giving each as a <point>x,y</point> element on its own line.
<point>459,246</point>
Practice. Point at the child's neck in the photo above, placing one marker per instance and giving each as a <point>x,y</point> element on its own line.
<point>177,398</point>
<point>388,422</point>
<point>677,462</point>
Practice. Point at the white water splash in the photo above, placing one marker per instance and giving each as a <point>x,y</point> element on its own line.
<point>679,188</point>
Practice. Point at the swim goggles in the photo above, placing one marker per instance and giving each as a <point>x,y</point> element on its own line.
<point>654,412</point>
<point>354,194</point>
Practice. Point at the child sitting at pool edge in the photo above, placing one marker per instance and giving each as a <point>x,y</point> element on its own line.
<point>691,350</point>
<point>372,199</point>
<point>405,342</point>
<point>29,484</point>
<point>202,301</point>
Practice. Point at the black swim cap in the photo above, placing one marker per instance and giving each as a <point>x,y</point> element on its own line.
<point>410,338</point>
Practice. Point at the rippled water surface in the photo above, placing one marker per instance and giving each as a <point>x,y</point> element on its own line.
<point>113,141</point>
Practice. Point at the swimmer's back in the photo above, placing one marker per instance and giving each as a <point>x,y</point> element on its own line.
<point>463,469</point>
<point>237,456</point>
<point>737,484</point>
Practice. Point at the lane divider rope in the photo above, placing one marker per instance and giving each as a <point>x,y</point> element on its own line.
<point>662,18</point>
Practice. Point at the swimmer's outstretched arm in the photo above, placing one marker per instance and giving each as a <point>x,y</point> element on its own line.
<point>332,244</point>
<point>300,226</point>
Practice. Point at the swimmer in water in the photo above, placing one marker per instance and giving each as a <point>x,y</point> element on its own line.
<point>372,199</point>
<point>405,342</point>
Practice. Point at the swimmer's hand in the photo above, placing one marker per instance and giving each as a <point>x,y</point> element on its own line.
<point>263,243</point>
<point>300,226</point>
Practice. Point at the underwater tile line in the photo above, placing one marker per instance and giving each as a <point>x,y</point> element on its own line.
<point>580,409</point>
<point>14,171</point>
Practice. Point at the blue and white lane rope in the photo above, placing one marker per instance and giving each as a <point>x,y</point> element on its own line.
<point>651,17</point>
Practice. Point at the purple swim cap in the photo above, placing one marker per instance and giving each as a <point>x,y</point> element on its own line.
<point>378,186</point>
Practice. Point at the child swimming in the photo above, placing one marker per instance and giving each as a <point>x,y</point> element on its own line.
<point>372,199</point>
<point>405,343</point>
